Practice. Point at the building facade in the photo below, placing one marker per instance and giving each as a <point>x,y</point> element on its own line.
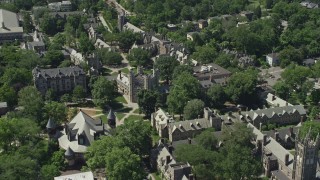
<point>60,80</point>
<point>131,84</point>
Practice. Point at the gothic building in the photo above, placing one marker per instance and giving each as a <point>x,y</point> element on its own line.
<point>279,163</point>
<point>131,84</point>
<point>306,157</point>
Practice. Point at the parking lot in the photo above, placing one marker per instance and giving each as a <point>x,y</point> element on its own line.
<point>271,75</point>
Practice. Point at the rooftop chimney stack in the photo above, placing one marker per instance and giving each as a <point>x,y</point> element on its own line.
<point>189,140</point>
<point>276,134</point>
<point>286,160</point>
<point>264,139</point>
<point>167,159</point>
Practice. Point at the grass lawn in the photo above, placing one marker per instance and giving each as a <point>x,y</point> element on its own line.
<point>105,71</point>
<point>104,118</point>
<point>133,118</point>
<point>121,99</point>
<point>156,175</point>
<point>119,115</point>
<point>136,111</point>
<point>125,70</point>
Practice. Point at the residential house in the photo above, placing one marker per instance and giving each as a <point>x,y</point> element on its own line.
<point>131,84</point>
<point>211,74</point>
<point>78,135</point>
<point>273,59</point>
<point>60,80</point>
<point>163,160</point>
<point>10,29</point>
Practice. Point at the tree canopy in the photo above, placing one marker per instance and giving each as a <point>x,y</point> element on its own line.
<point>103,91</point>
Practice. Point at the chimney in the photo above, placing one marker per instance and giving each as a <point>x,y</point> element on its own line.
<point>170,148</point>
<point>260,127</point>
<point>286,159</point>
<point>162,140</point>
<point>191,177</point>
<point>167,159</point>
<point>189,140</point>
<point>273,97</point>
<point>2,25</point>
<point>264,139</point>
<point>301,119</point>
<point>291,131</point>
<point>120,74</point>
<point>276,135</point>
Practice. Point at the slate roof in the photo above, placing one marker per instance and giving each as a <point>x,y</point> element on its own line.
<point>273,146</point>
<point>10,22</point>
<point>57,72</point>
<point>50,124</point>
<point>81,124</point>
<point>77,176</point>
<point>190,125</point>
<point>213,69</point>
<point>276,101</point>
<point>111,115</point>
<point>271,112</point>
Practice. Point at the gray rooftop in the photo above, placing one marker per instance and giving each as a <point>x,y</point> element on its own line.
<point>57,72</point>
<point>210,69</point>
<point>111,115</point>
<point>9,22</point>
<point>3,105</point>
<point>50,124</point>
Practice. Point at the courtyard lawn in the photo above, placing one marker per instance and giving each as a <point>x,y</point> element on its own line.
<point>121,99</point>
<point>119,115</point>
<point>133,118</point>
<point>136,111</point>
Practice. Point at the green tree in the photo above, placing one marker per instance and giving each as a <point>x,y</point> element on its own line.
<point>16,166</point>
<point>78,93</point>
<point>282,90</point>
<point>16,130</point>
<point>207,139</point>
<point>127,39</point>
<point>139,57</point>
<point>180,69</point>
<point>54,58</point>
<point>7,94</point>
<point>48,172</point>
<point>136,135</point>
<point>185,88</point>
<point>193,109</point>
<point>257,11</point>
<point>288,55</point>
<point>56,111</point>
<point>103,91</point>
<point>16,77</point>
<point>216,96</point>
<point>27,23</point>
<point>31,101</point>
<point>311,127</point>
<point>205,54</point>
<point>109,57</point>
<point>147,100</point>
<point>85,45</point>
<point>269,4</point>
<point>295,76</point>
<point>124,164</point>
<point>241,86</point>
<point>166,66</point>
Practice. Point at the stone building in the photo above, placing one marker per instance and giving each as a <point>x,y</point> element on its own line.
<point>10,29</point>
<point>163,160</point>
<point>60,80</point>
<point>211,74</point>
<point>78,135</point>
<point>131,84</point>
<point>279,163</point>
<point>275,115</point>
<point>181,130</point>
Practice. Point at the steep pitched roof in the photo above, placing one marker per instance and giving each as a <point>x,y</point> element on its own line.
<point>111,115</point>
<point>50,124</point>
<point>69,152</point>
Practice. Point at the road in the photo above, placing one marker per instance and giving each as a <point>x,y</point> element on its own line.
<point>271,75</point>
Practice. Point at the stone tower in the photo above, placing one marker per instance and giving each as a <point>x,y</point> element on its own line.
<point>121,21</point>
<point>306,157</point>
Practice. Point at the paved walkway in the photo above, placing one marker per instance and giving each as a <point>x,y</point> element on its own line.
<point>134,107</point>
<point>104,23</point>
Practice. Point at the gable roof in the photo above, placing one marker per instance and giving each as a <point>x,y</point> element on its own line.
<point>57,72</point>
<point>190,125</point>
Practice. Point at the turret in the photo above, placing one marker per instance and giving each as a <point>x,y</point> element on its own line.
<point>51,127</point>
<point>69,155</point>
<point>111,118</point>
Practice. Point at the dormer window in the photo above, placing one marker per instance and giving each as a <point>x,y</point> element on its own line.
<point>81,139</point>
